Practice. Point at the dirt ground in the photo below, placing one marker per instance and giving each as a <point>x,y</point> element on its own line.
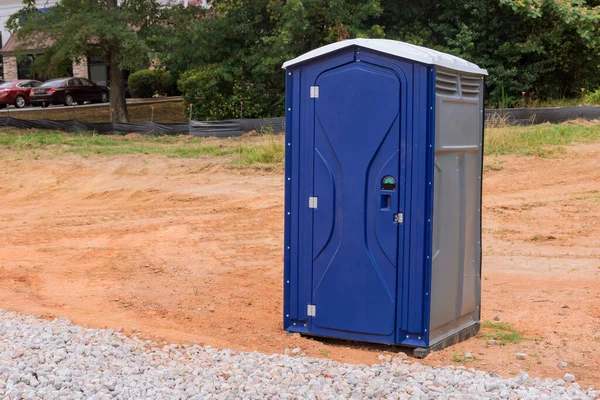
<point>173,250</point>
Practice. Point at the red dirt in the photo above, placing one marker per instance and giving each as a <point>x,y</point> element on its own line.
<point>183,253</point>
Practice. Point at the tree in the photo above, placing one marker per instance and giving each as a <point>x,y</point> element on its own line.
<point>233,52</point>
<point>548,48</point>
<point>75,29</point>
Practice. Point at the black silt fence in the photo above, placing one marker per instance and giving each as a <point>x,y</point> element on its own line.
<point>228,128</point>
<point>525,116</point>
<point>237,127</point>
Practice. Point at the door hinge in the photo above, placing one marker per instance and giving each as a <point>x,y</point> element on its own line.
<point>314,92</point>
<point>399,218</point>
<point>313,202</point>
<point>311,310</point>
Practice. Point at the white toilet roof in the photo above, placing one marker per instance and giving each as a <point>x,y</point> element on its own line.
<point>398,49</point>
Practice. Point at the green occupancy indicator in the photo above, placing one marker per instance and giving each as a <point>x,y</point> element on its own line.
<point>388,183</point>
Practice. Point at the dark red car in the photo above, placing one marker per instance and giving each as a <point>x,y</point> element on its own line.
<point>69,91</point>
<point>16,93</point>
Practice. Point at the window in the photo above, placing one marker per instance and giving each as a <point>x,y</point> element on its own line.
<point>53,83</point>
<point>29,84</point>
<point>85,82</point>
<point>97,69</point>
<point>24,67</point>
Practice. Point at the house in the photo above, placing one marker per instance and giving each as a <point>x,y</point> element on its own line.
<point>12,68</point>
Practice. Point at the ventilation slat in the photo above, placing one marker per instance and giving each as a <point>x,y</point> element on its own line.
<point>445,89</point>
<point>470,86</point>
<point>448,81</point>
<point>446,84</point>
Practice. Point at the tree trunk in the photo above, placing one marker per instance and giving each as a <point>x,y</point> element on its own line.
<point>118,104</point>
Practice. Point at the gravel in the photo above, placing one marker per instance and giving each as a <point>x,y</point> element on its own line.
<point>569,378</point>
<point>42,359</point>
<point>521,356</point>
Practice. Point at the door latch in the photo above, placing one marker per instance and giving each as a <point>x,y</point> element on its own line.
<point>314,92</point>
<point>398,218</point>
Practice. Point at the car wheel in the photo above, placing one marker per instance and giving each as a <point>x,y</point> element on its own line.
<point>104,97</point>
<point>69,100</point>
<point>20,102</point>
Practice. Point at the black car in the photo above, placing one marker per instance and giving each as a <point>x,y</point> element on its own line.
<point>127,91</point>
<point>69,91</point>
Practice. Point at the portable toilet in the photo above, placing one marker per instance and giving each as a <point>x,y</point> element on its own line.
<point>383,168</point>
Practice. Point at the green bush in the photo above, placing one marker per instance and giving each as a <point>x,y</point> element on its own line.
<point>148,83</point>
<point>217,92</point>
<point>210,91</point>
<point>593,97</point>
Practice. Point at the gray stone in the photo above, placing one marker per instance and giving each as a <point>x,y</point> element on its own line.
<point>562,364</point>
<point>561,313</point>
<point>521,356</point>
<point>491,342</point>
<point>58,360</point>
<point>497,317</point>
<point>565,306</point>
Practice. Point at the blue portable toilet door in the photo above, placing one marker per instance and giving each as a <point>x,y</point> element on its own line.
<point>357,189</point>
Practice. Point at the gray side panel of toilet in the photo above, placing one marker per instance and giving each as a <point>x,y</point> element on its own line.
<point>456,247</point>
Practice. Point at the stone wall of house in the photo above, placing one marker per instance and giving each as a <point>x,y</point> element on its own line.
<point>80,69</point>
<point>10,68</point>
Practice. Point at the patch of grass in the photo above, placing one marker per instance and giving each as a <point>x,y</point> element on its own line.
<point>324,352</point>
<point>492,167</point>
<point>259,150</point>
<point>545,140</point>
<point>461,359</point>
<point>264,148</point>
<point>503,332</point>
<point>504,326</point>
<point>270,153</point>
<point>593,196</point>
